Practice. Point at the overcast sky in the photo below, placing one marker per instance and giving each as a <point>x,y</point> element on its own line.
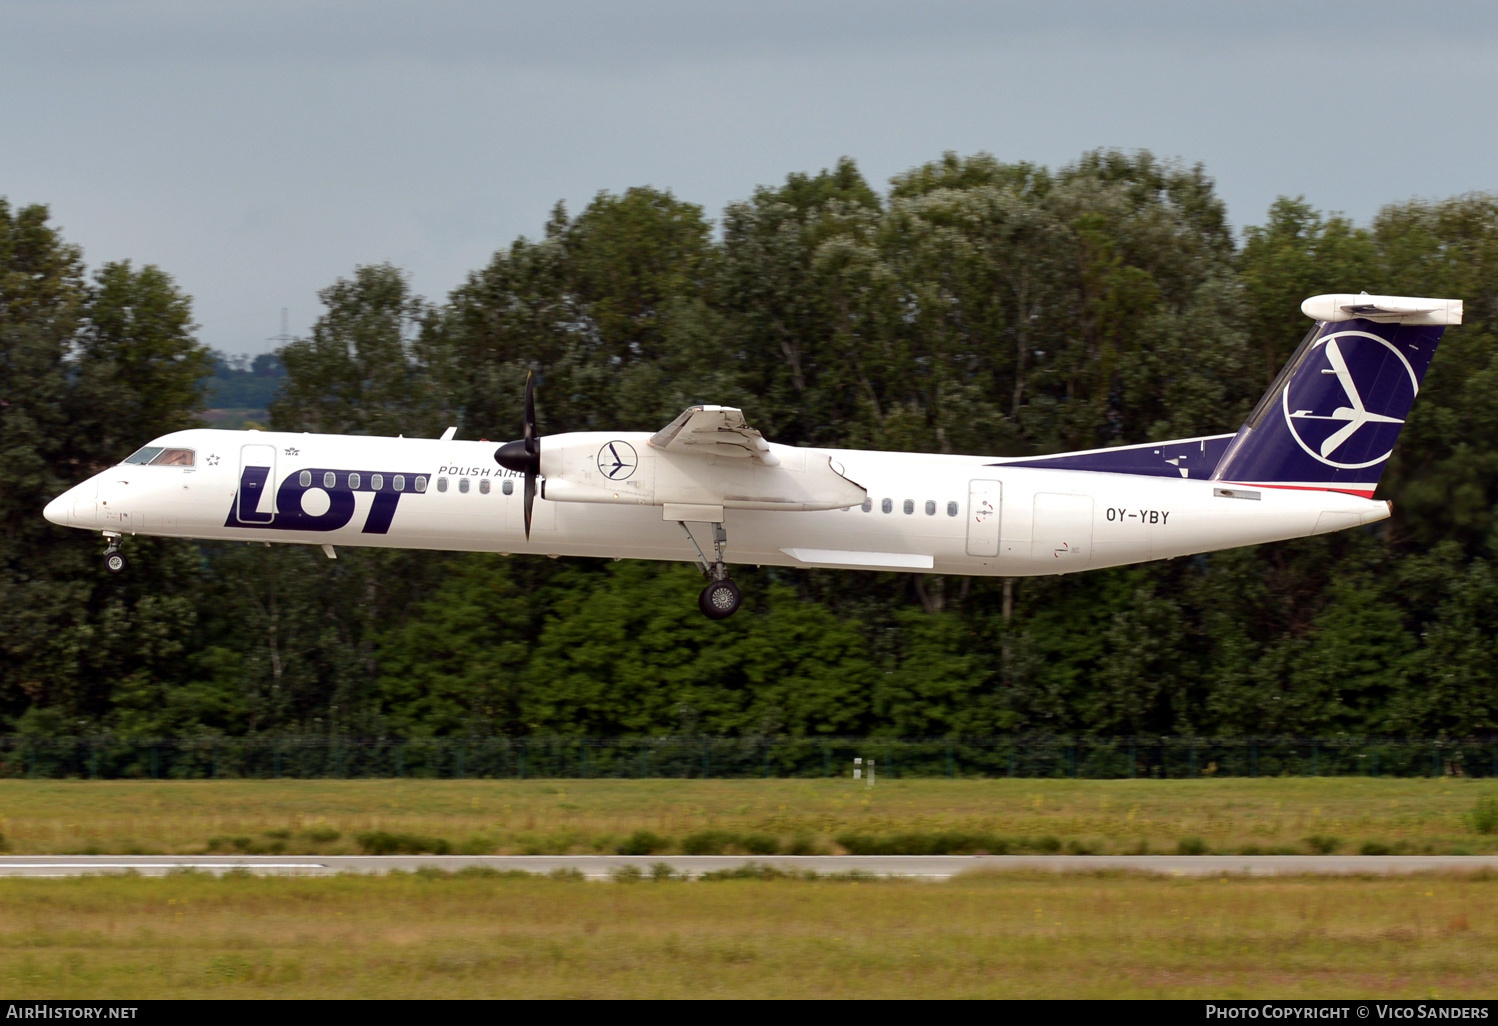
<point>258,150</point>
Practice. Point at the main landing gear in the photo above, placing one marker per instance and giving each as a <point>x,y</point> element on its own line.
<point>114,560</point>
<point>721,598</point>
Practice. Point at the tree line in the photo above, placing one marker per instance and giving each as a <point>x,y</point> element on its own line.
<point>971,306</point>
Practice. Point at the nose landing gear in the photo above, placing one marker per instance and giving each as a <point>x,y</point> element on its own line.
<point>114,560</point>
<point>721,598</point>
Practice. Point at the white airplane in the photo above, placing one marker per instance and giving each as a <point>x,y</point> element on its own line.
<point>710,489</point>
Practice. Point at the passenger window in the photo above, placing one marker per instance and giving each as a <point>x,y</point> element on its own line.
<point>442,484</point>
<point>509,487</point>
<point>887,505</point>
<point>484,486</point>
<point>421,483</point>
<point>304,479</point>
<point>329,479</point>
<point>931,507</point>
<point>173,458</point>
<point>399,482</point>
<point>353,480</point>
<point>145,455</point>
<point>909,506</point>
<point>868,505</point>
<point>463,485</point>
<point>951,509</point>
<point>377,481</point>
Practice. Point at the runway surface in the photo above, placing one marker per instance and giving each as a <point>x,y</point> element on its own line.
<point>936,867</point>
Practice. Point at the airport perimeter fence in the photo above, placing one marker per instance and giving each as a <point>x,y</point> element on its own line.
<point>108,757</point>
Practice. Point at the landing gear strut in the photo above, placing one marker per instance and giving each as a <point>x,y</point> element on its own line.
<point>721,598</point>
<point>114,560</point>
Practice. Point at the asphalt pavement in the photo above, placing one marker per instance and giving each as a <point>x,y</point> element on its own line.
<point>935,867</point>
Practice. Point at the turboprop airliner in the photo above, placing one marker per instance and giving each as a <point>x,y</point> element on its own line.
<point>708,488</point>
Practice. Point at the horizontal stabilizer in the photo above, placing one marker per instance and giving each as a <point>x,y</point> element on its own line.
<point>1383,309</point>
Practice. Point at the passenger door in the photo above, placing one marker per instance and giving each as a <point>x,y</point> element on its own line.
<point>984,509</point>
<point>256,501</point>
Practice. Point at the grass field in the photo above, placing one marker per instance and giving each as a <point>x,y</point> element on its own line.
<point>1011,935</point>
<point>1279,815</point>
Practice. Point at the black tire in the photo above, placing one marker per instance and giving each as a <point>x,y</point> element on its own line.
<point>115,562</point>
<point>719,600</point>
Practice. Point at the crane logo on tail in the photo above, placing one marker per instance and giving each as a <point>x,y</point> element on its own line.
<point>1340,422</point>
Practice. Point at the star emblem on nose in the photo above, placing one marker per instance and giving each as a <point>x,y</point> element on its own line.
<point>213,460</point>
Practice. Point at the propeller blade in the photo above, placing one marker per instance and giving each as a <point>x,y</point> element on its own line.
<point>523,456</point>
<point>530,500</point>
<point>530,412</point>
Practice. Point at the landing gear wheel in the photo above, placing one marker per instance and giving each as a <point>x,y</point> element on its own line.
<point>115,562</point>
<point>719,600</point>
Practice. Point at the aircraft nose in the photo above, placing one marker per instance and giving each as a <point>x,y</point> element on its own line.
<point>57,510</point>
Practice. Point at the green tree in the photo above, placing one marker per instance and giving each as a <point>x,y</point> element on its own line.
<point>363,371</point>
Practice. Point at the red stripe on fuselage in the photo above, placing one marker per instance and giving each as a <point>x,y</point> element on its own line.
<point>1359,492</point>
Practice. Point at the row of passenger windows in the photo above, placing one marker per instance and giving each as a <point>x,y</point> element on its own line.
<point>485,484</point>
<point>355,480</point>
<point>376,482</point>
<point>888,506</point>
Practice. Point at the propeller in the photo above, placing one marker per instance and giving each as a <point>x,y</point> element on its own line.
<point>524,455</point>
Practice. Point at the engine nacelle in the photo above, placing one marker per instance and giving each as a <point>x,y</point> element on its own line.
<point>625,468</point>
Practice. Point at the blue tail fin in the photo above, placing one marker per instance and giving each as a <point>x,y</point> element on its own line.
<point>1332,416</point>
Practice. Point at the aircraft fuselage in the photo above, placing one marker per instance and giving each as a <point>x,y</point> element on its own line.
<point>925,513</point>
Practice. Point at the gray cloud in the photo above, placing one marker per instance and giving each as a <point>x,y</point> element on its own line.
<point>258,150</point>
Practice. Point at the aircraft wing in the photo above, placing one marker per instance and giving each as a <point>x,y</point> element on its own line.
<point>714,431</point>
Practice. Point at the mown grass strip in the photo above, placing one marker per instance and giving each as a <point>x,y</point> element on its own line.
<point>748,934</point>
<point>751,817</point>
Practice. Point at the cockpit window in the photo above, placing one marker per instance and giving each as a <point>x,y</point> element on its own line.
<point>146,455</point>
<point>173,458</point>
<point>157,456</point>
